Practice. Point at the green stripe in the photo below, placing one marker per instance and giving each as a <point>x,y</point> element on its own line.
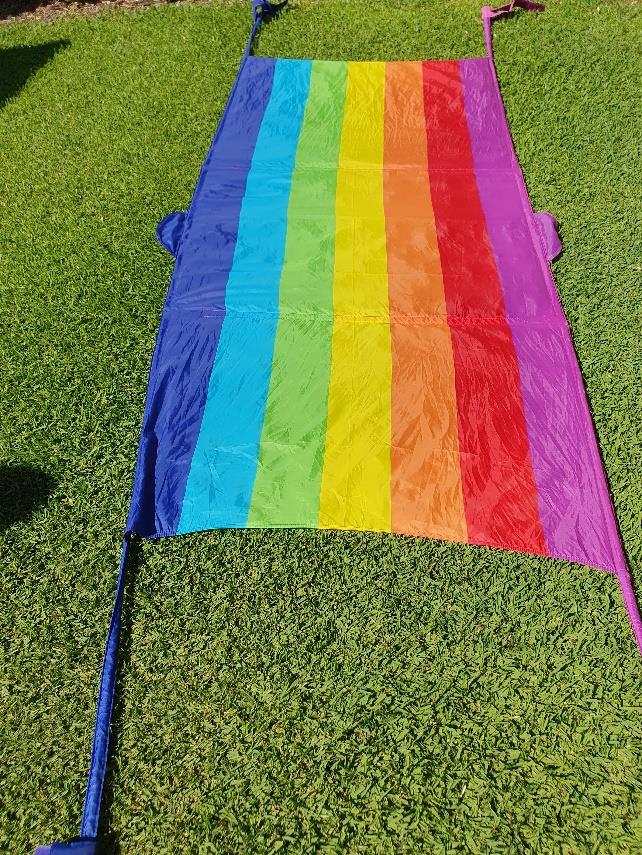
<point>288,478</point>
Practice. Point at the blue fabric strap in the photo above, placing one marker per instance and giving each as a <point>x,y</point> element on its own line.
<point>100,747</point>
<point>260,10</point>
<point>87,843</point>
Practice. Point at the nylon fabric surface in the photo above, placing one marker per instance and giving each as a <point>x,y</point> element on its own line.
<point>362,331</point>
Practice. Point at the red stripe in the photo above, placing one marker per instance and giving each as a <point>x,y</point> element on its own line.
<point>500,494</point>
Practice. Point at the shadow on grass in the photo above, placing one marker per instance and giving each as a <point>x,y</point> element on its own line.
<point>18,64</point>
<point>23,489</point>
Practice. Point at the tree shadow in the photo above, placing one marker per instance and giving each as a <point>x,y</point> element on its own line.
<point>23,489</point>
<point>18,64</point>
<point>46,10</point>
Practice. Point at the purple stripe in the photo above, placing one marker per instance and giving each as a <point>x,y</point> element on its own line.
<point>194,310</point>
<point>574,503</point>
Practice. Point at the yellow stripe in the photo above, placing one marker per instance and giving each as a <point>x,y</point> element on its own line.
<point>355,487</point>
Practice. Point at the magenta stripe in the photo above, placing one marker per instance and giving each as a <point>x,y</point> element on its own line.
<point>574,503</point>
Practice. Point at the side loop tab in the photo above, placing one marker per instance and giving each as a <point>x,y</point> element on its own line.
<point>489,14</point>
<point>170,230</point>
<point>548,230</point>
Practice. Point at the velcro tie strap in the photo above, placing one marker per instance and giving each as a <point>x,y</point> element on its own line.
<point>261,8</point>
<point>77,846</point>
<point>489,14</point>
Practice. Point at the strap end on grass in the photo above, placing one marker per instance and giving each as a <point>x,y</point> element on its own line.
<point>76,846</point>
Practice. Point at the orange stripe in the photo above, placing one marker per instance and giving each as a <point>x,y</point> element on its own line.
<point>426,476</point>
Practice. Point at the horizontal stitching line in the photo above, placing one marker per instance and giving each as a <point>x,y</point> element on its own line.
<point>393,317</point>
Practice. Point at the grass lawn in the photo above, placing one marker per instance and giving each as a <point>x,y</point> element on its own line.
<point>297,692</point>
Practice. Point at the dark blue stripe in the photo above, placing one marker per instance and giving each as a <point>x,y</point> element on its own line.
<point>194,310</point>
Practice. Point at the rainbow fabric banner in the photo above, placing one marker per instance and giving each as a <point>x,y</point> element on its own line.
<point>362,330</point>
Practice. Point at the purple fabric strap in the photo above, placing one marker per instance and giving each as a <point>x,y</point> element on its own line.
<point>546,228</point>
<point>632,608</point>
<point>489,14</point>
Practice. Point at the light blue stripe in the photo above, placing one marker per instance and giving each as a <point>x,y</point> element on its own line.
<point>221,477</point>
